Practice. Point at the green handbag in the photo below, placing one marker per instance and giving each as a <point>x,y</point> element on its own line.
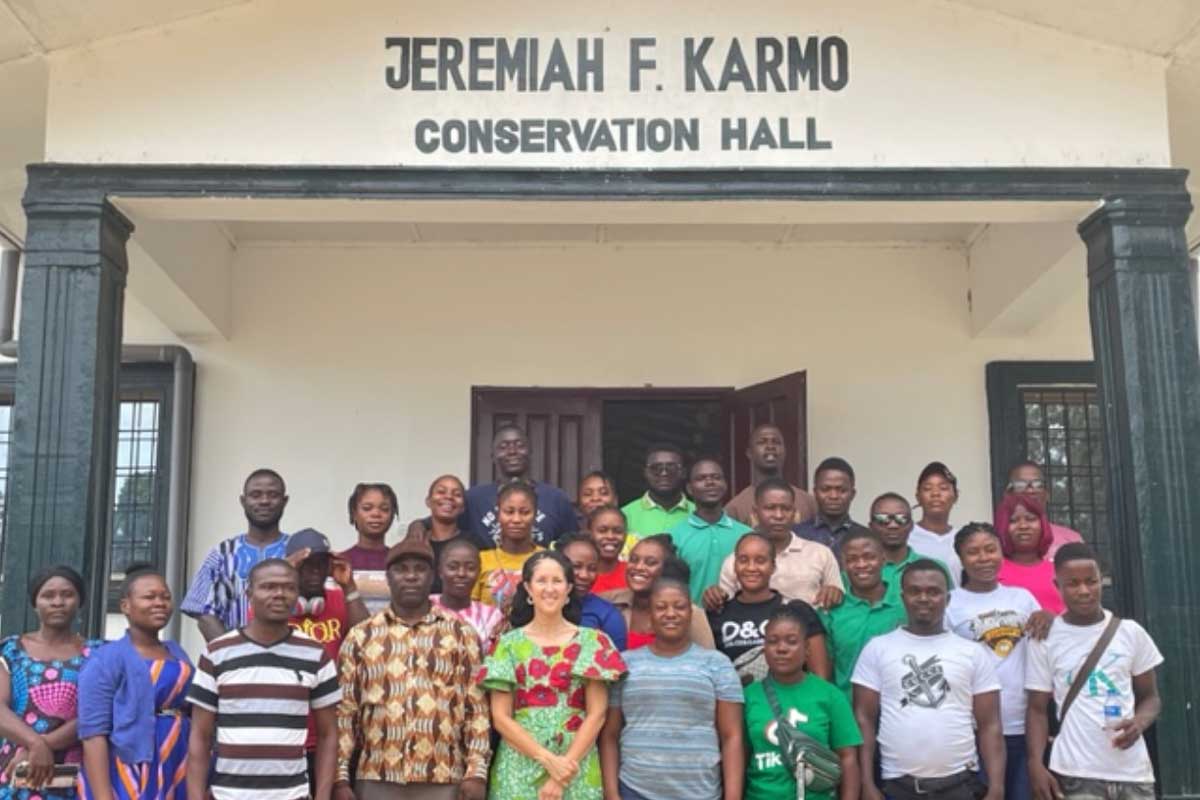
<point>815,766</point>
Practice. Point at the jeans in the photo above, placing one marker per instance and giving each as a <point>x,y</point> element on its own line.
<point>1016,770</point>
<point>1094,789</point>
<point>630,794</point>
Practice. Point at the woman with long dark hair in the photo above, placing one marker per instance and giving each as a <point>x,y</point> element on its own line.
<point>652,558</point>
<point>548,680</point>
<point>134,722</point>
<point>39,692</point>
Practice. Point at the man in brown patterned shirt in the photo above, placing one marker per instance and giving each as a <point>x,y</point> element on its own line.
<point>410,708</point>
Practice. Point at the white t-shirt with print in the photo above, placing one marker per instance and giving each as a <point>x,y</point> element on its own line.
<point>1083,747</point>
<point>939,546</point>
<point>996,620</point>
<point>927,687</point>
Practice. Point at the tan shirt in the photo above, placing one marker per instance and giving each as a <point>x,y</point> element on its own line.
<point>800,571</point>
<point>741,507</point>
<point>700,632</point>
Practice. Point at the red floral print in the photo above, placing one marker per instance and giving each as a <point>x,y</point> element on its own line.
<point>519,674</point>
<point>574,723</point>
<point>572,652</point>
<point>560,676</point>
<point>609,658</point>
<point>541,696</point>
<point>578,699</point>
<point>538,669</point>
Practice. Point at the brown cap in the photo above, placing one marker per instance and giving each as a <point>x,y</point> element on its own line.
<point>410,547</point>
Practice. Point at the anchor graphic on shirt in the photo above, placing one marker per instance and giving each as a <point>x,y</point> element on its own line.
<point>924,685</point>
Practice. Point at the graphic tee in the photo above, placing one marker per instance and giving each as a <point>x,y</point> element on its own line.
<point>927,687</point>
<point>996,620</point>
<point>813,706</point>
<point>499,576</point>
<point>1083,748</point>
<point>739,630</point>
<point>555,515</point>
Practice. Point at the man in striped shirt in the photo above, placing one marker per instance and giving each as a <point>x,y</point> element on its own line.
<point>254,688</point>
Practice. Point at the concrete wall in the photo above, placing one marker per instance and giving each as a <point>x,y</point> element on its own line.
<point>352,364</point>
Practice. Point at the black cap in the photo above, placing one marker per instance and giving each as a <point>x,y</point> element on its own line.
<point>312,540</point>
<point>938,468</point>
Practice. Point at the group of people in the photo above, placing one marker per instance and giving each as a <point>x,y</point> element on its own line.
<point>525,647</point>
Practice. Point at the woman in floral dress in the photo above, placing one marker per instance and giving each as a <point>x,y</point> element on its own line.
<point>548,679</point>
<point>39,675</point>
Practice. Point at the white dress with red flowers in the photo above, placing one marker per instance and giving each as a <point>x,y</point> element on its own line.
<point>547,684</point>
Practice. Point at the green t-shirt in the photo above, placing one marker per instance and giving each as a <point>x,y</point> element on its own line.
<point>644,517</point>
<point>815,707</point>
<point>853,623</point>
<point>704,546</point>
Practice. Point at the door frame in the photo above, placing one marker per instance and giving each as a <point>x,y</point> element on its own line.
<point>599,393</point>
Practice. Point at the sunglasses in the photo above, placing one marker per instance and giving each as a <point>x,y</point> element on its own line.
<point>884,519</point>
<point>664,469</point>
<point>1024,486</point>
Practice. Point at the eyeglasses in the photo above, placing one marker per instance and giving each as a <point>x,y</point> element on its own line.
<point>664,469</point>
<point>884,519</point>
<point>1024,486</point>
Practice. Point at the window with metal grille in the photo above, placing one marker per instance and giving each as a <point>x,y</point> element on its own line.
<point>1048,412</point>
<point>141,482</point>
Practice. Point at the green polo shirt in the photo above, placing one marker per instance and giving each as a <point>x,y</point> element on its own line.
<point>644,517</point>
<point>891,572</point>
<point>853,623</point>
<point>705,547</point>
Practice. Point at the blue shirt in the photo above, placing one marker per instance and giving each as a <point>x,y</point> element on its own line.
<point>669,745</point>
<point>820,530</point>
<point>116,699</point>
<point>219,586</point>
<point>555,515</point>
<point>600,614</point>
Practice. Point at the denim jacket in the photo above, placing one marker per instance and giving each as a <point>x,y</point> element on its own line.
<point>116,699</point>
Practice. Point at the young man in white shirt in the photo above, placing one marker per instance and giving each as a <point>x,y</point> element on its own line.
<point>1094,755</point>
<point>932,692</point>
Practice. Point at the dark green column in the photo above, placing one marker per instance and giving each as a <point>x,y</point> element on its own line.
<point>1143,321</point>
<point>65,415</point>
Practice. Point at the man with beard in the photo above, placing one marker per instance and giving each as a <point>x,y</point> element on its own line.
<point>664,505</point>
<point>217,598</point>
<point>767,453</point>
<point>708,536</point>
<point>510,454</point>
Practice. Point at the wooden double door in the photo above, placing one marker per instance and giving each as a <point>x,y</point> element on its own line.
<point>573,431</point>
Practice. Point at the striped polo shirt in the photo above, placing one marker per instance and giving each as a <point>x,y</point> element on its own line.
<point>261,695</point>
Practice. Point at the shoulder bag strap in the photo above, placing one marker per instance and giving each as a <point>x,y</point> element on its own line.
<point>1089,664</point>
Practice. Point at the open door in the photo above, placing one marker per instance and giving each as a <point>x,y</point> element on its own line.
<point>564,431</point>
<point>782,401</point>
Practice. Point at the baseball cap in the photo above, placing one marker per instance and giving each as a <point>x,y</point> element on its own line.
<point>313,540</point>
<point>410,547</point>
<point>938,468</point>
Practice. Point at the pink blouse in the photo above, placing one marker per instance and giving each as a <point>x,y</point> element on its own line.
<point>1038,579</point>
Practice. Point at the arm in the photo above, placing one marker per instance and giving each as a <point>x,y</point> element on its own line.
<point>1037,734</point>
<point>610,753</point>
<point>700,631</point>
<point>347,710</point>
<point>325,763</point>
<point>199,752</point>
<point>477,727</point>
<point>1146,708</point>
<point>210,626</point>
<point>866,712</point>
<point>201,600</point>
<point>38,748</point>
<point>817,657</point>
<point>596,700</point>
<point>991,741</point>
<point>851,779</point>
<point>95,766</point>
<point>832,590</point>
<point>559,768</point>
<point>733,748</point>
